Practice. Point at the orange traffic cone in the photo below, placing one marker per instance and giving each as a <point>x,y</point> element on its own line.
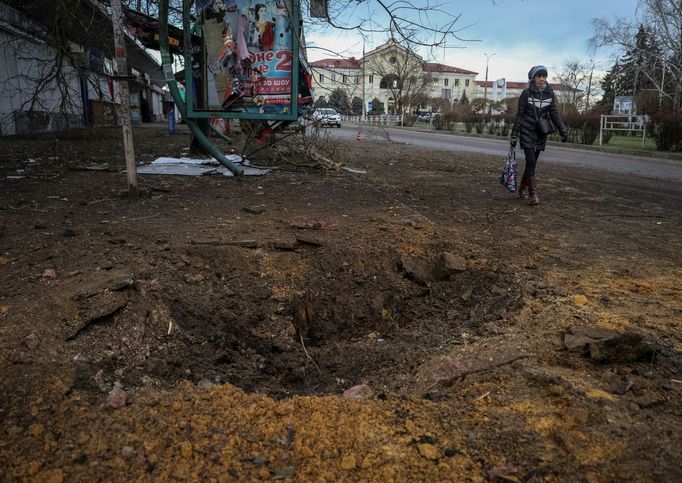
<point>358,137</point>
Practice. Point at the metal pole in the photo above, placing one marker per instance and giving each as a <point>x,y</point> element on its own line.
<point>364,101</point>
<point>485,86</point>
<point>122,73</point>
<point>601,129</point>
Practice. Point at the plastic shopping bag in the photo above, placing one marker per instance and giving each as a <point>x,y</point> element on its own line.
<point>508,176</point>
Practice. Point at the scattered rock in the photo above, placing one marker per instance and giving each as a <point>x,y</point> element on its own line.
<point>615,384</point>
<point>128,452</point>
<point>503,473</point>
<point>260,460</point>
<point>194,278</point>
<point>288,245</point>
<point>348,462</point>
<point>254,210</point>
<point>117,396</point>
<point>448,264</point>
<point>313,224</point>
<point>49,273</point>
<point>649,399</point>
<point>205,384</point>
<point>415,270</point>
<point>428,451</point>
<point>285,473</point>
<point>625,347</point>
<point>579,338</point>
<point>362,391</point>
<point>69,232</point>
<point>31,341</point>
<point>580,300</point>
<point>221,243</point>
<point>460,365</point>
<point>309,240</point>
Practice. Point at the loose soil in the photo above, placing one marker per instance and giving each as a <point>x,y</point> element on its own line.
<point>208,331</point>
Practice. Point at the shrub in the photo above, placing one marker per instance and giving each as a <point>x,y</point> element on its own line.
<point>409,120</point>
<point>583,128</point>
<point>667,130</point>
<point>445,121</point>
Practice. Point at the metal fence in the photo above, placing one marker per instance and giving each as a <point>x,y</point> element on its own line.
<point>381,120</point>
<point>630,124</point>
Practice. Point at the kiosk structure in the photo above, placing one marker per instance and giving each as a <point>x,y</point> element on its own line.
<point>243,59</point>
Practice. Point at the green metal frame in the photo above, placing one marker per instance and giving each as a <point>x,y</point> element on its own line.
<point>186,106</point>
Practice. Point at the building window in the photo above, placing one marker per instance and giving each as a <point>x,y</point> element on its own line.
<point>345,79</point>
<point>456,82</point>
<point>390,81</point>
<point>446,93</point>
<point>371,79</point>
<point>334,78</point>
<point>357,79</point>
<point>393,60</point>
<point>321,78</point>
<point>466,82</point>
<point>446,82</point>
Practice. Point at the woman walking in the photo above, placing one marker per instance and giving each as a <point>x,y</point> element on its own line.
<point>537,103</point>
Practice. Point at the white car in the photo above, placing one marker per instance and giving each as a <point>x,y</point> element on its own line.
<point>327,116</point>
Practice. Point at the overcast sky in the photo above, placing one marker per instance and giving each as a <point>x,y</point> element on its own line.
<point>520,34</point>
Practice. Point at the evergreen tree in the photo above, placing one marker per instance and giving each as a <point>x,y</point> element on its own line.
<point>356,106</point>
<point>321,102</point>
<point>464,99</point>
<point>377,107</point>
<point>338,99</point>
<point>636,71</point>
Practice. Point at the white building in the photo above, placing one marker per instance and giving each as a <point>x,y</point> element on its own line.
<point>380,73</point>
<point>391,74</point>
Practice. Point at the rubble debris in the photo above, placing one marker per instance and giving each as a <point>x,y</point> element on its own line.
<point>459,366</point>
<point>254,210</point>
<point>448,264</point>
<point>49,273</point>
<point>309,240</point>
<point>231,243</point>
<point>415,270</point>
<point>102,314</point>
<point>607,346</point>
<point>361,391</point>
<point>303,224</point>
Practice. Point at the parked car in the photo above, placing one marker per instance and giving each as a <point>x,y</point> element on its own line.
<point>327,116</point>
<point>427,116</point>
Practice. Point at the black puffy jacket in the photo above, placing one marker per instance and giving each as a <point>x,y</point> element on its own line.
<point>534,103</point>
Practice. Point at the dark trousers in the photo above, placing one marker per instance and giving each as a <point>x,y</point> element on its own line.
<point>531,160</point>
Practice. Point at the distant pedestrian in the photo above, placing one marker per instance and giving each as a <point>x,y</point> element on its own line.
<point>537,104</point>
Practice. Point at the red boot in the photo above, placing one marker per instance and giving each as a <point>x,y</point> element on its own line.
<point>523,189</point>
<point>533,198</point>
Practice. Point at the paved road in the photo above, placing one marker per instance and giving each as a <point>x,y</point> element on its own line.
<point>642,166</point>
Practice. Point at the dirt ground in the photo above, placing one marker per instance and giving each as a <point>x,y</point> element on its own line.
<point>412,323</point>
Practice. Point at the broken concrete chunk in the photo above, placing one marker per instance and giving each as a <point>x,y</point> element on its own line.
<point>309,240</point>
<point>448,264</point>
<point>415,270</point>
<point>626,347</point>
<point>287,245</point>
<point>579,338</point>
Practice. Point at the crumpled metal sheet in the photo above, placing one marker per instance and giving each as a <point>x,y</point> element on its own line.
<point>197,167</point>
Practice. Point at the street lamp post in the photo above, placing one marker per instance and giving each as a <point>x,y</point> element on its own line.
<point>485,86</point>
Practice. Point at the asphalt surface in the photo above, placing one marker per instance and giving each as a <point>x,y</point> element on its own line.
<point>621,163</point>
